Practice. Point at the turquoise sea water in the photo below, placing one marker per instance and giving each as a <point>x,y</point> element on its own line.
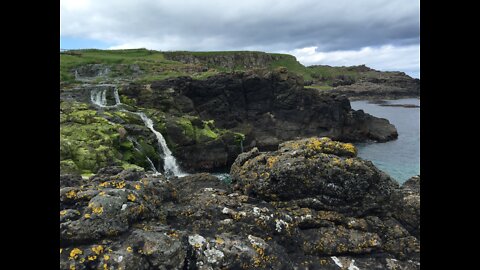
<point>399,158</point>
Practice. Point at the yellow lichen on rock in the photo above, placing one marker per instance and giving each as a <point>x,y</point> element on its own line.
<point>75,252</point>
<point>98,249</point>
<point>271,161</point>
<point>97,209</point>
<point>131,197</point>
<point>92,258</point>
<point>72,194</point>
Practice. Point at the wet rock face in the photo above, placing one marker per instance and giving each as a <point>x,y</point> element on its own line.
<point>318,172</point>
<point>125,219</point>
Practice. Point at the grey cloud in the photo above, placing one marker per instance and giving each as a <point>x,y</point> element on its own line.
<point>270,25</point>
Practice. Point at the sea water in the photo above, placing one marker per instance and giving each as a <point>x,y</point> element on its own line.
<point>399,158</point>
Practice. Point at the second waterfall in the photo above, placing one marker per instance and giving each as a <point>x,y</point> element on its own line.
<point>170,165</point>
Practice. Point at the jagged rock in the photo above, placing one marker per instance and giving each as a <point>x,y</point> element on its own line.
<point>70,180</point>
<point>269,107</point>
<point>109,203</point>
<point>408,206</point>
<point>199,222</point>
<point>323,173</point>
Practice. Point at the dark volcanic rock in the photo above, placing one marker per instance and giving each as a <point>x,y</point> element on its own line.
<point>198,222</point>
<point>268,107</point>
<point>408,206</point>
<point>318,172</point>
<point>386,85</point>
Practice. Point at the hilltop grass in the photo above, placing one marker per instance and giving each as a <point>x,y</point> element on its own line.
<point>155,67</point>
<point>320,87</point>
<point>147,60</point>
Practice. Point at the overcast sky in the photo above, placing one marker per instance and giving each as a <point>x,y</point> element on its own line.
<point>383,34</point>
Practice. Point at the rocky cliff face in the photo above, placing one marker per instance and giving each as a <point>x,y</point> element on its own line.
<point>268,107</point>
<point>310,205</point>
<point>230,60</point>
<point>384,85</point>
<point>206,123</point>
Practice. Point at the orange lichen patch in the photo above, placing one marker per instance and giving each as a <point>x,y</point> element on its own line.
<point>106,257</point>
<point>131,197</point>
<point>72,194</point>
<point>63,212</point>
<point>137,187</point>
<point>92,258</point>
<point>96,209</point>
<point>105,266</point>
<point>120,185</point>
<point>219,241</point>
<point>87,216</point>
<point>102,193</point>
<point>129,249</point>
<point>104,184</point>
<point>61,250</point>
<point>173,234</point>
<point>75,252</point>
<point>350,148</point>
<point>72,267</point>
<point>271,161</point>
<point>349,161</point>
<point>98,249</point>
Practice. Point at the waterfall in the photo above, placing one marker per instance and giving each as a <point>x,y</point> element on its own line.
<point>99,98</point>
<point>170,165</point>
<point>117,97</point>
<point>135,146</point>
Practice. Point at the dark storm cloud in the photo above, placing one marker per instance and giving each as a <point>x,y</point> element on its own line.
<point>278,25</point>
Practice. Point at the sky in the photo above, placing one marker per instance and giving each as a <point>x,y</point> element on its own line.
<point>382,34</point>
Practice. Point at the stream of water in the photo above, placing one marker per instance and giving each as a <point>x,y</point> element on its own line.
<point>171,167</point>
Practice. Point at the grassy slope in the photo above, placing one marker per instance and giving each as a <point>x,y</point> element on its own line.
<point>156,67</point>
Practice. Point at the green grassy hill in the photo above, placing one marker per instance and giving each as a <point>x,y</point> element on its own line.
<point>144,65</point>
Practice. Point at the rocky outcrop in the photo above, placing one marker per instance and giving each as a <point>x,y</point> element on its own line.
<point>408,206</point>
<point>206,123</point>
<point>384,85</point>
<point>343,214</point>
<point>268,107</point>
<point>227,60</point>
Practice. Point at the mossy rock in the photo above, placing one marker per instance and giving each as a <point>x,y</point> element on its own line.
<point>69,166</point>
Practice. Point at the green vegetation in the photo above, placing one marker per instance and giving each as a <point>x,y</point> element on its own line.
<point>199,130</point>
<point>320,87</point>
<point>145,66</point>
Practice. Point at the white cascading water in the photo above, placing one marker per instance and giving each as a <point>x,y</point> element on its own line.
<point>135,144</point>
<point>170,165</point>
<point>99,98</point>
<point>117,97</point>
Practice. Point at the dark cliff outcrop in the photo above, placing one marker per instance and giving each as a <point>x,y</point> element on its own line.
<point>268,107</point>
<point>227,60</point>
<point>384,85</point>
<point>206,123</point>
<point>313,205</point>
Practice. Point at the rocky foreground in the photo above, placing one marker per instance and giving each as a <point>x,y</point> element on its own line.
<point>311,204</point>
